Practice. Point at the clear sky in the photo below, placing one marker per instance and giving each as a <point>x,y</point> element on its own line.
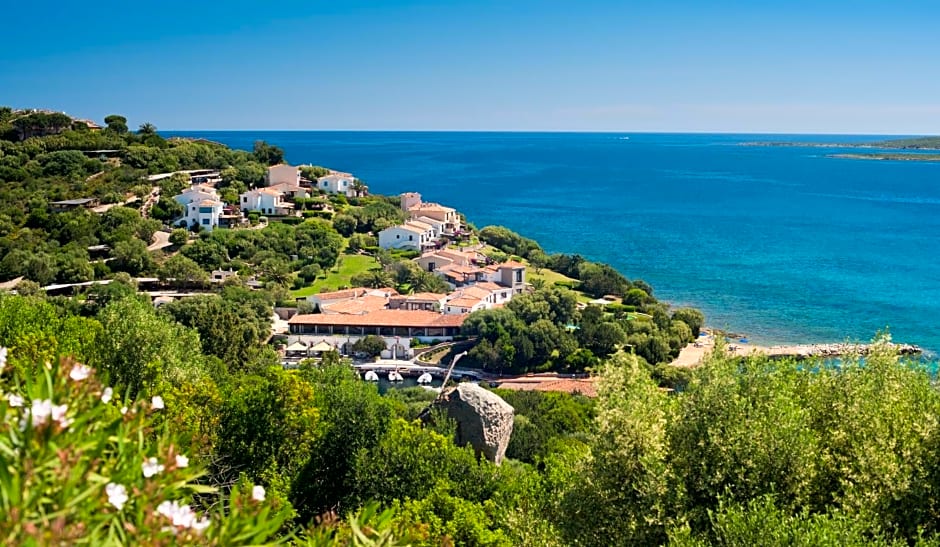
<point>749,66</point>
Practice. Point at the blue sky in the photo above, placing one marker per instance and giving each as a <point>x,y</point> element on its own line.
<point>794,66</point>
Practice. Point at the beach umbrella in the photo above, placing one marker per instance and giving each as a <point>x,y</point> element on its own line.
<point>743,340</point>
<point>425,378</point>
<point>371,376</point>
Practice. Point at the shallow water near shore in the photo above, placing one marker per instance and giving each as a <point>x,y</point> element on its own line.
<point>784,244</point>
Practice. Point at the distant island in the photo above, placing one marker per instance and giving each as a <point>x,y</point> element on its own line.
<point>916,143</point>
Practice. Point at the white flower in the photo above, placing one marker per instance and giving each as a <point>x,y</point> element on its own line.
<point>182,516</point>
<point>39,412</point>
<point>257,493</point>
<point>123,410</point>
<point>156,402</point>
<point>58,414</point>
<point>117,494</point>
<point>80,372</point>
<point>201,524</point>
<point>182,461</point>
<point>15,400</point>
<point>106,395</point>
<point>151,467</point>
<point>3,358</point>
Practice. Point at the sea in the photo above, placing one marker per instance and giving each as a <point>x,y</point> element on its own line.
<point>782,244</point>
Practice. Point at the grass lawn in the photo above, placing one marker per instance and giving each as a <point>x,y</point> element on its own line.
<point>339,276</point>
<point>551,276</point>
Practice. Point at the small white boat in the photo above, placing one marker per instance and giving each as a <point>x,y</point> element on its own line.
<point>371,376</point>
<point>393,376</point>
<point>425,378</point>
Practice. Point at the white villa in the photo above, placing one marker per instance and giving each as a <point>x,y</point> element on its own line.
<point>413,235</point>
<point>282,173</point>
<point>337,183</point>
<point>202,206</point>
<point>265,200</point>
<point>480,296</point>
<point>446,219</point>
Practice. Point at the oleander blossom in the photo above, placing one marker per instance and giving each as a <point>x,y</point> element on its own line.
<point>41,411</point>
<point>117,494</point>
<point>182,461</point>
<point>156,403</point>
<point>15,400</point>
<point>182,516</point>
<point>151,467</point>
<point>257,493</point>
<point>80,372</point>
<point>106,395</point>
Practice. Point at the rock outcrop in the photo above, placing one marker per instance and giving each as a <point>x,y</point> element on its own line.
<point>484,419</point>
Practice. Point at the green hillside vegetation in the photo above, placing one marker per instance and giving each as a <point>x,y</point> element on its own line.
<point>750,451</point>
<point>916,143</point>
<point>122,423</point>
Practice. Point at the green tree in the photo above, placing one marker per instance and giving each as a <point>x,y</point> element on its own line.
<point>138,349</point>
<point>179,237</point>
<point>147,128</point>
<point>371,345</point>
<point>131,256</point>
<point>345,224</point>
<point>116,123</point>
<point>267,154</point>
<point>182,272</point>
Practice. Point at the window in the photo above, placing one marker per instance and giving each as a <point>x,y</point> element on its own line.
<point>431,266</point>
<point>518,276</point>
<point>411,238</point>
<point>205,221</point>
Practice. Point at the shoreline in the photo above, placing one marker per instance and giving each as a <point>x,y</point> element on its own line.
<point>692,355</point>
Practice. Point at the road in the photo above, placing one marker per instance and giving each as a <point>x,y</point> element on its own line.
<point>161,239</point>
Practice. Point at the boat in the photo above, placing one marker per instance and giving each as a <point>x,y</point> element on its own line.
<point>394,376</point>
<point>425,378</point>
<point>371,376</point>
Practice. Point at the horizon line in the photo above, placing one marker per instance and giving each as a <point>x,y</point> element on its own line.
<point>550,131</point>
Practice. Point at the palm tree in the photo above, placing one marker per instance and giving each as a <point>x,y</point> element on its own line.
<point>147,129</point>
<point>360,188</point>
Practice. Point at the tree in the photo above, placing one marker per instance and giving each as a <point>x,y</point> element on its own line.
<point>179,237</point>
<point>267,154</point>
<point>182,272</point>
<point>131,256</point>
<point>692,317</point>
<point>374,279</point>
<point>166,209</point>
<point>138,349</point>
<point>147,128</point>
<point>371,345</point>
<point>344,224</point>
<point>116,123</point>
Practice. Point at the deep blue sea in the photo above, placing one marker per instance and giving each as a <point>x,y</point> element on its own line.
<point>781,243</point>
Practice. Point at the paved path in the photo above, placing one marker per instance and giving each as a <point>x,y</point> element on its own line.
<point>161,240</point>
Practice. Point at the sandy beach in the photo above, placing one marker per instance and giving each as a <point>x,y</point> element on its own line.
<point>693,354</point>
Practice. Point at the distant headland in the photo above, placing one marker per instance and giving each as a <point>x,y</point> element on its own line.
<point>918,144</point>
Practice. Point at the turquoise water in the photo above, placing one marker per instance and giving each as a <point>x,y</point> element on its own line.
<point>780,243</point>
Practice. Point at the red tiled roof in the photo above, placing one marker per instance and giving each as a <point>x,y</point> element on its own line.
<point>585,386</point>
<point>360,306</point>
<point>382,318</point>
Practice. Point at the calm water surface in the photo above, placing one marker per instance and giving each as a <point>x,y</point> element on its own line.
<point>781,243</point>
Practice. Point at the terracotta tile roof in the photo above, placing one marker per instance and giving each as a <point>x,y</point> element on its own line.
<point>437,207</point>
<point>511,264</point>
<point>354,293</point>
<point>209,203</point>
<point>584,386</point>
<point>382,318</point>
<point>420,225</point>
<point>464,302</point>
<point>425,296</point>
<point>364,304</point>
<point>490,286</point>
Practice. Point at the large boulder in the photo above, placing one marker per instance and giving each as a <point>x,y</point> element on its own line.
<point>484,419</point>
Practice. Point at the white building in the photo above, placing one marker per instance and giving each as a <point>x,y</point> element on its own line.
<point>201,206</point>
<point>410,235</point>
<point>265,200</point>
<point>282,173</point>
<point>204,213</point>
<point>337,183</point>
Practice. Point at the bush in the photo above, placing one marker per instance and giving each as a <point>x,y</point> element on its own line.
<point>97,469</point>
